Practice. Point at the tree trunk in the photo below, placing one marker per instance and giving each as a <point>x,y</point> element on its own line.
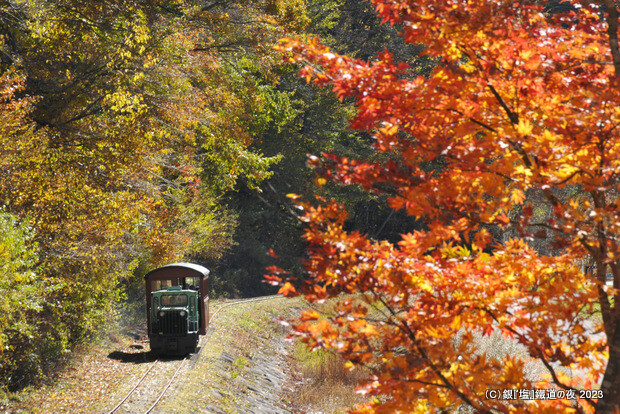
<point>611,380</point>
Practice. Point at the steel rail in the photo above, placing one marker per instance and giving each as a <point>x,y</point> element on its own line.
<point>161,395</point>
<point>133,389</point>
<point>166,387</point>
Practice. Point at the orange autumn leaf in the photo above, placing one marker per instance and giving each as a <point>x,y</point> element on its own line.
<point>510,134</point>
<point>287,290</point>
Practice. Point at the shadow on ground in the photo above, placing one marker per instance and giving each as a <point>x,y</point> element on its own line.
<point>140,357</point>
<point>133,357</point>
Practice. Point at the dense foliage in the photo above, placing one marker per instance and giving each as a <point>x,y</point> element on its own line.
<point>318,122</point>
<point>513,131</point>
<point>122,123</point>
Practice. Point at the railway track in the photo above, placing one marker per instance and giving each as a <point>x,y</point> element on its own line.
<point>168,372</point>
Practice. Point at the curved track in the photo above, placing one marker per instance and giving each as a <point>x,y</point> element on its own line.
<point>167,372</point>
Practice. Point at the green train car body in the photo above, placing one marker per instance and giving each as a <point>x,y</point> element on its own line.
<point>177,303</point>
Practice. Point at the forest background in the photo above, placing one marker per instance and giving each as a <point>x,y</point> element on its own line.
<point>139,133</point>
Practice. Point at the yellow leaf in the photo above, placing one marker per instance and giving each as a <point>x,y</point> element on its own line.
<point>524,127</point>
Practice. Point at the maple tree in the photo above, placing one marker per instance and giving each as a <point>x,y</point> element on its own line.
<point>513,132</point>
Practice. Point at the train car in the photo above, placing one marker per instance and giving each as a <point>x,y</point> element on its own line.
<point>177,304</point>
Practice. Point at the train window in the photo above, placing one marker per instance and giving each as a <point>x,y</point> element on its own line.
<point>173,300</point>
<point>192,282</point>
<point>160,284</point>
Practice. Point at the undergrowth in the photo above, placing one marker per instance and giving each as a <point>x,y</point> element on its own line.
<point>323,383</point>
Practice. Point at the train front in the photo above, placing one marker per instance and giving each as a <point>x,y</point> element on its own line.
<point>174,321</point>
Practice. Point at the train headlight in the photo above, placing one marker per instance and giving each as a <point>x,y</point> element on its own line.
<point>182,313</point>
<point>162,314</point>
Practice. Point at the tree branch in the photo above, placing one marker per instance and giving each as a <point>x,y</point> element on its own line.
<point>612,32</point>
<point>514,118</point>
<point>407,330</point>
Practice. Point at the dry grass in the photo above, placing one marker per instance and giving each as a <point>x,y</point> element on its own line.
<point>323,384</point>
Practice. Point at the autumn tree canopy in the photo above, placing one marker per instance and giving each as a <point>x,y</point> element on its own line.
<point>508,151</point>
<point>121,125</point>
<point>318,122</point>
